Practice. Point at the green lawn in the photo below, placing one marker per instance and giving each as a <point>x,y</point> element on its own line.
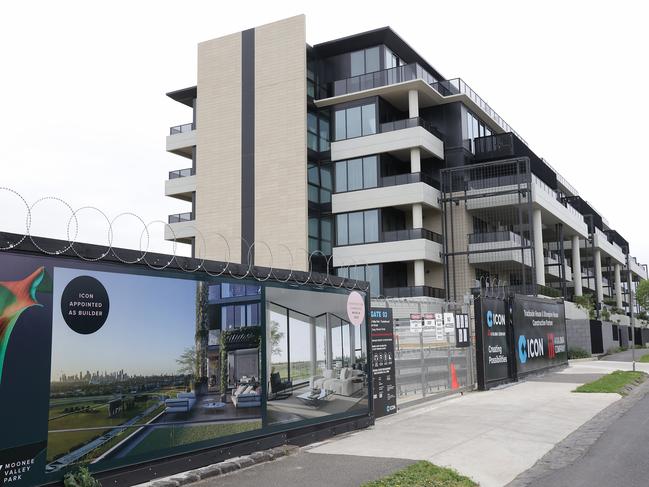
<point>614,382</point>
<point>644,358</point>
<point>172,436</point>
<point>423,474</point>
<point>63,442</point>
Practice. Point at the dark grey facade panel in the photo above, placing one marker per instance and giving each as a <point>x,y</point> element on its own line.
<point>247,143</point>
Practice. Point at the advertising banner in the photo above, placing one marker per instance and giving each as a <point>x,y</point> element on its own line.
<point>110,365</point>
<point>539,333</point>
<point>493,349</point>
<point>382,342</point>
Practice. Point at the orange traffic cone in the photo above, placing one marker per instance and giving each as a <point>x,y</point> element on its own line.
<point>454,384</point>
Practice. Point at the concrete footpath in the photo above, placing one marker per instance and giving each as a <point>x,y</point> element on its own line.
<point>489,436</point>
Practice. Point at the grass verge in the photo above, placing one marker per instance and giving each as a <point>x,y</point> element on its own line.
<point>423,474</point>
<point>618,381</point>
<point>644,358</point>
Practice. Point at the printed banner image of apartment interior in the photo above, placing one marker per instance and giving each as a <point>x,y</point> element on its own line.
<point>149,381</point>
<point>183,372</point>
<point>316,359</point>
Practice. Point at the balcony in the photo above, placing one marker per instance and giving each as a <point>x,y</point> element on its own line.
<point>410,234</point>
<point>608,248</point>
<point>181,184</point>
<point>396,138</point>
<point>181,228</point>
<point>398,246</point>
<point>392,83</point>
<point>400,191</point>
<point>181,173</point>
<point>503,246</point>
<point>637,268</point>
<point>181,139</point>
<point>414,292</point>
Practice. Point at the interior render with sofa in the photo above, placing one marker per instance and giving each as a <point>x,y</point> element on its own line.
<point>316,358</point>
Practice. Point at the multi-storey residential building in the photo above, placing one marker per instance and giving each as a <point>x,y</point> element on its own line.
<point>358,152</point>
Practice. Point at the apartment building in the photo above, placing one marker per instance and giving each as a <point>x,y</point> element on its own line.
<point>358,152</point>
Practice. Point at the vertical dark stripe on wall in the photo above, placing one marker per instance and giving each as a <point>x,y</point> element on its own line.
<point>247,143</point>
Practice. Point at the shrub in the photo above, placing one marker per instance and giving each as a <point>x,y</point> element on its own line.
<point>574,353</point>
<point>606,315</point>
<point>81,478</point>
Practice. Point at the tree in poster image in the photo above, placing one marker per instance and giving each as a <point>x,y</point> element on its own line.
<point>201,337</point>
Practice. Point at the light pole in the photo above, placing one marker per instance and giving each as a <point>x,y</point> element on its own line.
<point>631,313</point>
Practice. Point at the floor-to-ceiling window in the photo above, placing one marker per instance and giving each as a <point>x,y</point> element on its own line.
<point>355,121</point>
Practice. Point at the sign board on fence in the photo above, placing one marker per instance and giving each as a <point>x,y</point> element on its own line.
<point>416,323</point>
<point>461,330</point>
<point>449,322</point>
<point>439,326</point>
<point>493,348</point>
<point>539,333</point>
<point>429,320</point>
<point>384,391</point>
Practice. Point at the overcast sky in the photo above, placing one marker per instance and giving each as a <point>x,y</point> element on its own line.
<point>84,111</point>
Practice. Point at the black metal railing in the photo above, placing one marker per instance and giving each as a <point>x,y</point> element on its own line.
<point>408,178</point>
<point>408,123</point>
<point>502,236</point>
<point>182,173</point>
<point>411,234</point>
<point>414,292</point>
<point>181,217</point>
<point>181,129</point>
<point>376,79</point>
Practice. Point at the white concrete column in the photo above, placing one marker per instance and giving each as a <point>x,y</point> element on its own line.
<point>539,261</point>
<point>576,265</point>
<point>417,216</point>
<point>329,359</point>
<point>598,275</point>
<point>314,346</point>
<point>415,160</point>
<point>413,103</point>
<point>618,286</point>
<point>420,275</point>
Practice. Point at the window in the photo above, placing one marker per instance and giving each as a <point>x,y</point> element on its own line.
<point>370,273</point>
<point>358,227</point>
<point>240,315</point>
<point>473,127</point>
<point>391,59</point>
<point>320,232</point>
<point>355,174</point>
<point>365,61</point>
<point>320,182</point>
<point>355,121</point>
<point>317,131</point>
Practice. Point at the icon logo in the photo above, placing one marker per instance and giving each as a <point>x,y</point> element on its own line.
<point>495,319</point>
<point>552,353</point>
<point>522,349</point>
<point>490,319</point>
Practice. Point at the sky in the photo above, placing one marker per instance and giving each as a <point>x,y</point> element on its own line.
<point>143,334</point>
<point>84,111</point>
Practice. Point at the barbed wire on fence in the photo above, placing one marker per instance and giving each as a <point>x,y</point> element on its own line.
<point>248,250</point>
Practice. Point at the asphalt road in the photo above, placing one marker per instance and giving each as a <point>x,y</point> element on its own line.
<point>626,355</point>
<point>618,457</point>
<point>310,470</point>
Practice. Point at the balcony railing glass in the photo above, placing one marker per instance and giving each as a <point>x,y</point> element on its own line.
<point>181,129</point>
<point>391,76</point>
<point>411,234</point>
<point>503,236</point>
<point>410,72</point>
<point>408,178</point>
<point>409,123</point>
<point>181,217</point>
<point>414,292</point>
<point>181,173</point>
